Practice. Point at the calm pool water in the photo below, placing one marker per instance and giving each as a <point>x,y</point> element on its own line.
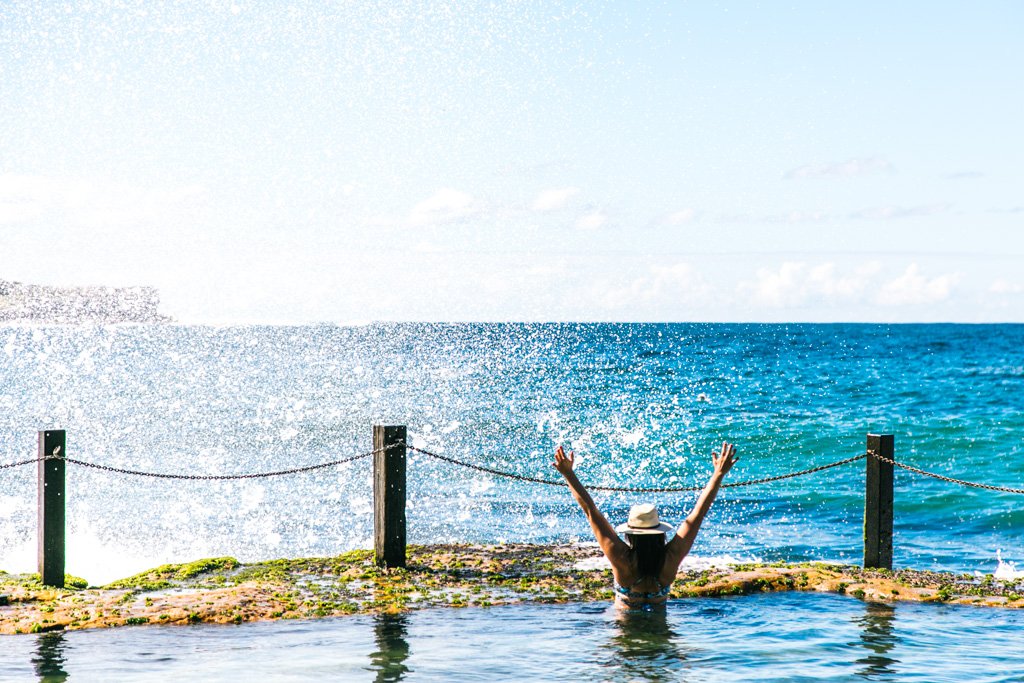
<point>777,637</point>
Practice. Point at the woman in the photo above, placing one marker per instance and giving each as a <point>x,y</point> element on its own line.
<point>645,567</point>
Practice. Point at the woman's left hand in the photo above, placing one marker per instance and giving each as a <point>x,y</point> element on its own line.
<point>724,459</point>
<point>563,463</point>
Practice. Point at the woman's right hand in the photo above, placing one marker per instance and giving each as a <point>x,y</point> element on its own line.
<point>563,463</point>
<point>724,459</point>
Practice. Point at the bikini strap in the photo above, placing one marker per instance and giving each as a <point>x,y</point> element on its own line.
<point>662,591</point>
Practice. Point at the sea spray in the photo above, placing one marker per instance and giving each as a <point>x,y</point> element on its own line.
<point>1006,571</point>
<point>210,400</point>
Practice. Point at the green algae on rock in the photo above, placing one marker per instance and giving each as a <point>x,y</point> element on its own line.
<point>224,590</point>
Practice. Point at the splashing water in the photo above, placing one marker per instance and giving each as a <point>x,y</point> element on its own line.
<point>626,397</point>
<point>1006,571</point>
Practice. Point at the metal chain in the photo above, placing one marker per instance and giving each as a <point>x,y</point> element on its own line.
<point>257,475</point>
<point>626,489</point>
<point>819,468</point>
<point>518,477</point>
<point>933,475</point>
<point>534,480</point>
<point>19,464</point>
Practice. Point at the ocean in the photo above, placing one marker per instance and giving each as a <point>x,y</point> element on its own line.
<point>643,405</point>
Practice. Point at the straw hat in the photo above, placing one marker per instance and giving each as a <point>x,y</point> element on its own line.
<point>643,519</point>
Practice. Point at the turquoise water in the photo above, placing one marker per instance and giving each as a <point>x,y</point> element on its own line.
<point>642,405</point>
<point>780,637</point>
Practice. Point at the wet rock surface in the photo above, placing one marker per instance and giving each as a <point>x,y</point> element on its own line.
<point>224,590</point>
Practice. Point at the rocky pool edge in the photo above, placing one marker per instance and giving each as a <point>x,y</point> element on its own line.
<point>223,590</point>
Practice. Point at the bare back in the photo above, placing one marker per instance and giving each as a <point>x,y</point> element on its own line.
<point>642,589</point>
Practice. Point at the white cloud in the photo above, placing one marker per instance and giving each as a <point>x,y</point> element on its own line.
<point>592,220</point>
<point>16,186</point>
<point>662,286</point>
<point>552,200</point>
<point>1004,286</point>
<point>778,288</point>
<point>845,169</point>
<point>681,217</point>
<point>794,284</point>
<point>789,218</point>
<point>427,247</point>
<point>882,213</point>
<point>88,201</point>
<point>827,283</point>
<point>912,288</point>
<point>794,217</point>
<point>444,206</point>
<point>18,212</point>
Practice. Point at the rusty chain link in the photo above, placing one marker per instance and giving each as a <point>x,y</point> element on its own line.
<point>627,489</point>
<point>933,475</point>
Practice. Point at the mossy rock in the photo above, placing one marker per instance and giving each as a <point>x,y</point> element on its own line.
<point>75,582</point>
<point>163,576</point>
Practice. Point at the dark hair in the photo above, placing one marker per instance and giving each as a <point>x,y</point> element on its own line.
<point>649,550</point>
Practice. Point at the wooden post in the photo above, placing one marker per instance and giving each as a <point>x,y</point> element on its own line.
<point>389,495</point>
<point>878,504</point>
<point>51,508</point>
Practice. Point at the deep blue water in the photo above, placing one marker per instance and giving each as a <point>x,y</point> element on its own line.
<point>642,405</point>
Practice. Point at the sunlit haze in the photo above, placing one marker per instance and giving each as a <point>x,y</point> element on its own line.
<point>313,161</point>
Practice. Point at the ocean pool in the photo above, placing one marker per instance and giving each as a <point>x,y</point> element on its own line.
<point>768,637</point>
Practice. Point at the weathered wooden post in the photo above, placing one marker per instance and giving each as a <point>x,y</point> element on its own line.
<point>51,507</point>
<point>878,504</point>
<point>389,495</point>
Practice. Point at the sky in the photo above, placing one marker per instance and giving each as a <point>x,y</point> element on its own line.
<point>293,162</point>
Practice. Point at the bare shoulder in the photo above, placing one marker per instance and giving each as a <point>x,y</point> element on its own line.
<point>618,554</point>
<point>674,545</point>
<point>675,551</point>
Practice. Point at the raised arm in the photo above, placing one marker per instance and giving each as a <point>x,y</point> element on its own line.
<point>604,532</point>
<point>680,545</point>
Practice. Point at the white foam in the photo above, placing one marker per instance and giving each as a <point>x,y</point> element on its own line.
<point>697,563</point>
<point>1006,571</point>
<point>690,562</point>
<point>88,557</point>
<point>591,563</point>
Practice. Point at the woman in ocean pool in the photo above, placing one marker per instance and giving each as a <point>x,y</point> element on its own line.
<point>644,565</point>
